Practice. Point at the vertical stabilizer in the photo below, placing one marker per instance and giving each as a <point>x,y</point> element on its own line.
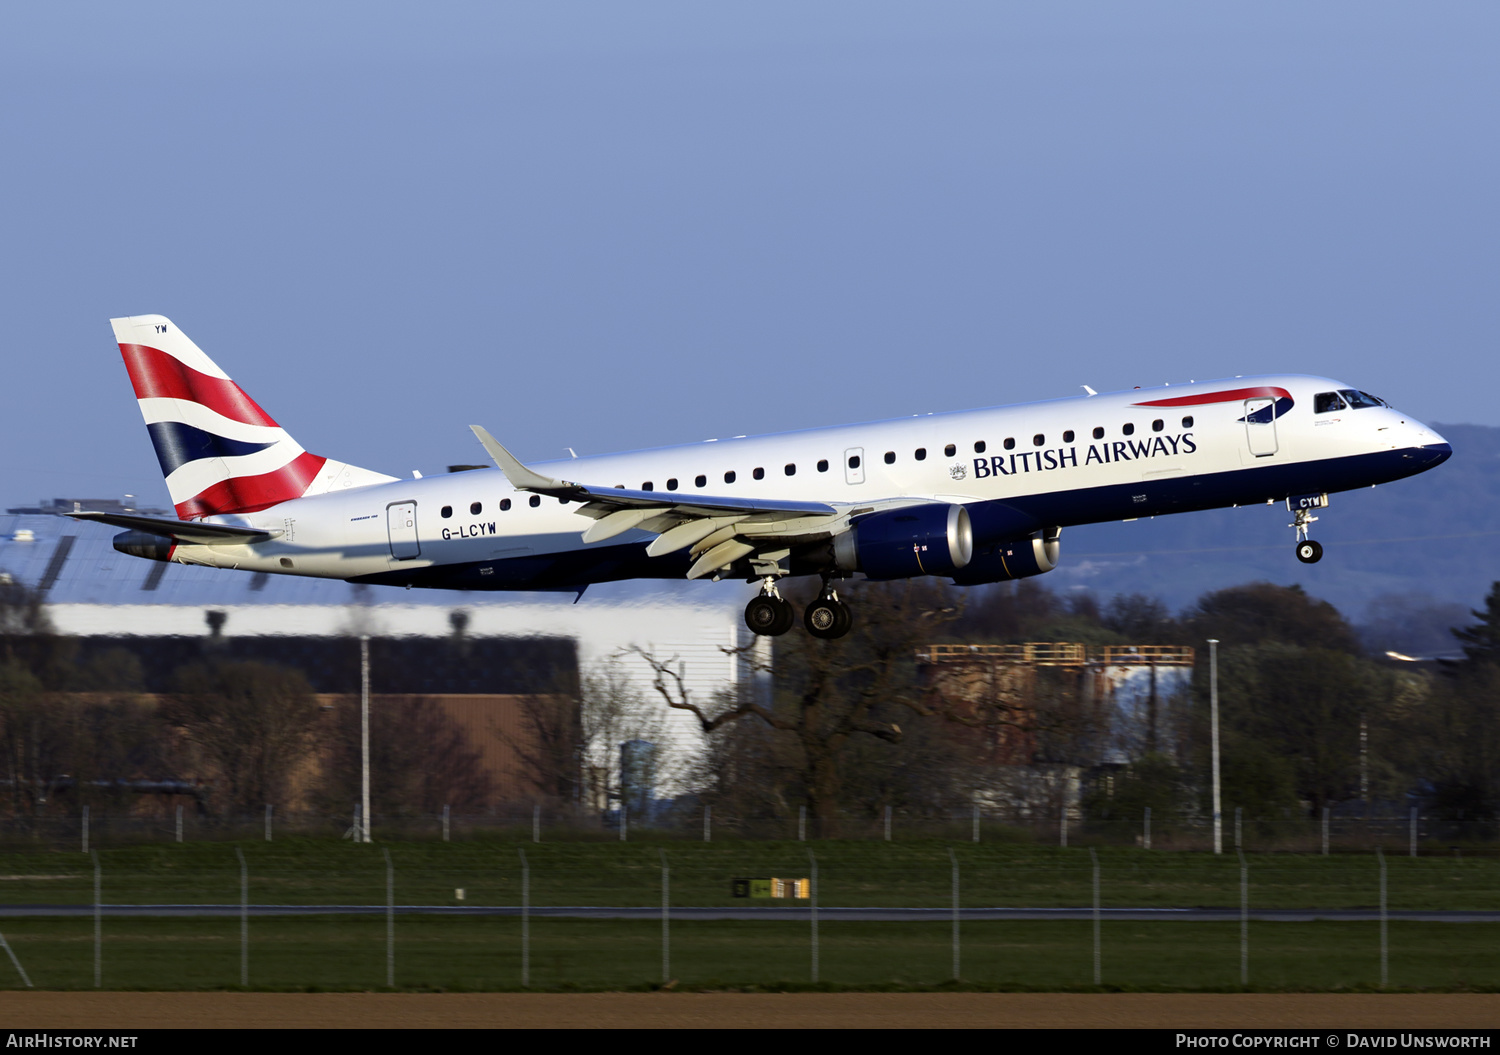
<point>219,451</point>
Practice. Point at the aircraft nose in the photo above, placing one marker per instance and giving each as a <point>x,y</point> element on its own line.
<point>1430,447</point>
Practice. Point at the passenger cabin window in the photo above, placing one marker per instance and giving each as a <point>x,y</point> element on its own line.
<point>1187,422</point>
<point>1098,434</point>
<point>648,486</point>
<point>854,461</point>
<point>949,451</point>
<point>447,511</point>
<point>700,481</point>
<point>791,469</point>
<point>890,457</point>
<point>979,447</point>
<point>759,473</point>
<point>672,484</point>
<point>474,508</point>
<point>1157,425</point>
<point>536,500</point>
<point>1128,429</point>
<point>822,465</point>
<point>1009,444</point>
<point>1068,436</point>
<point>920,454</point>
<point>505,505</point>
<point>729,477</point>
<point>1039,440</point>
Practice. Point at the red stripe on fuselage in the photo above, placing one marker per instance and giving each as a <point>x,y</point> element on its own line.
<point>247,494</point>
<point>156,375</point>
<point>1219,397</point>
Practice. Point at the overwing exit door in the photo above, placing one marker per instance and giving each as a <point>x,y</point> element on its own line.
<point>1260,426</point>
<point>401,524</point>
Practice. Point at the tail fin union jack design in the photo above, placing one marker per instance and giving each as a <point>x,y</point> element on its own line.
<point>219,451</point>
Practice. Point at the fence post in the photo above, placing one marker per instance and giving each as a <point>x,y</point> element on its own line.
<point>953,857</point>
<point>268,822</point>
<point>975,837</point>
<point>390,920</point>
<point>708,824</point>
<point>1063,827</point>
<point>85,829</point>
<point>19,969</point>
<point>1385,974</point>
<point>1325,831</point>
<point>802,824</point>
<point>624,822</point>
<point>1244,917</point>
<point>244,919</point>
<point>1146,833</point>
<point>1097,966</point>
<point>525,921</point>
<point>536,823</point>
<point>813,883</point>
<point>445,822</point>
<point>887,824</point>
<point>1413,831</point>
<point>98,924</point>
<point>666,932</point>
<point>179,824</point>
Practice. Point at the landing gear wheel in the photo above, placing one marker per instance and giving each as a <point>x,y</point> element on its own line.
<point>1309,552</point>
<point>827,618</point>
<point>769,616</point>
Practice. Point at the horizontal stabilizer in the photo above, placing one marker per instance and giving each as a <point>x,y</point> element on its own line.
<point>181,530</point>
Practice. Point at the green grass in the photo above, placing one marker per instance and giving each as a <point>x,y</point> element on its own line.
<point>317,871</point>
<point>342,953</point>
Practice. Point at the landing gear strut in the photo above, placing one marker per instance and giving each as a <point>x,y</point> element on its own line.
<point>770,615</point>
<point>1308,551</point>
<point>827,617</point>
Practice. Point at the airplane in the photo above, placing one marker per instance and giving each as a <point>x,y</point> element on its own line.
<point>977,496</point>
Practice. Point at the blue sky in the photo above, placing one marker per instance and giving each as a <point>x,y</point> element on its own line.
<point>610,226</point>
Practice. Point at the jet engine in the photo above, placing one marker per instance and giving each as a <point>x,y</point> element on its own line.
<point>1016,559</point>
<point>140,544</point>
<point>930,539</point>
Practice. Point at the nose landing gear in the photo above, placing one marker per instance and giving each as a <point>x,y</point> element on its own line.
<point>1308,551</point>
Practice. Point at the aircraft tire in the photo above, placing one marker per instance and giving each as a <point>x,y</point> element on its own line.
<point>1309,552</point>
<point>769,616</point>
<point>827,619</point>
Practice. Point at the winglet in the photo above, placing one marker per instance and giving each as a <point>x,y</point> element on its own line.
<point>520,477</point>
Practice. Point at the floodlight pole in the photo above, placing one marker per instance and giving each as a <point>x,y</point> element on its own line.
<point>1213,712</point>
<point>364,738</point>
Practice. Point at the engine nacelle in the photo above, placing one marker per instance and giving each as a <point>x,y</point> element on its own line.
<point>931,539</point>
<point>1017,559</point>
<point>141,544</point>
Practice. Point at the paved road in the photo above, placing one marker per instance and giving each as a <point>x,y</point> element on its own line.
<point>1197,915</point>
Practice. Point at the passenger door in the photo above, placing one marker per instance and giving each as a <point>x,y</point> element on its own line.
<point>401,525</point>
<point>854,465</point>
<point>1260,426</point>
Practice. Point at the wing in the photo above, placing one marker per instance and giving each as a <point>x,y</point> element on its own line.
<point>180,530</point>
<point>719,530</point>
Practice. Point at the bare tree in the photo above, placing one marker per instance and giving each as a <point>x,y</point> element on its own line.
<point>252,722</point>
<point>831,692</point>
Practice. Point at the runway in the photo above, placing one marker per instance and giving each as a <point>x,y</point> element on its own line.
<point>777,913</point>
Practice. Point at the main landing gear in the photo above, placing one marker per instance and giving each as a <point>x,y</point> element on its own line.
<point>771,615</point>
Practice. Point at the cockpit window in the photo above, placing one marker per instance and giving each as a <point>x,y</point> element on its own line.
<point>1360,400</point>
<point>1327,403</point>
